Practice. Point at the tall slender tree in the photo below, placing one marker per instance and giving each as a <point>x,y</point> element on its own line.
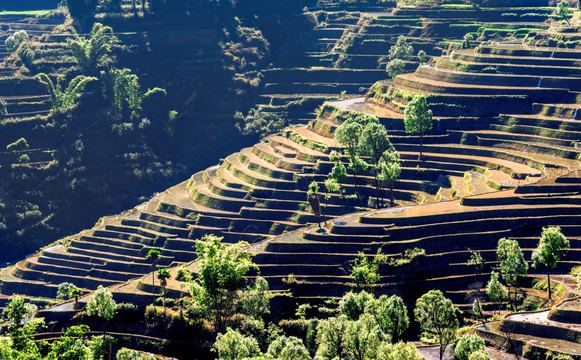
<point>552,246</point>
<point>512,262</point>
<point>163,275</point>
<point>153,255</point>
<point>436,316</point>
<point>418,118</point>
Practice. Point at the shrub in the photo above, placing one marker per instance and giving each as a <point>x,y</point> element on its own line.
<point>20,144</point>
<point>128,354</point>
<point>467,345</point>
<point>24,158</point>
<point>13,41</point>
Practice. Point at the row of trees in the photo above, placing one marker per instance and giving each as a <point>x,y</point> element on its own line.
<point>552,247</point>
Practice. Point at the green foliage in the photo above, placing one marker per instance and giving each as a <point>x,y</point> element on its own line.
<point>122,89</point>
<point>495,290</point>
<point>21,326</point>
<point>63,101</point>
<point>477,309</point>
<point>399,351</point>
<point>563,11</point>
<point>437,317</point>
<point>512,262</point>
<point>479,355</point>
<point>256,299</point>
<point>331,184</point>
<point>363,271</point>
<point>422,57</point>
<point>260,123</point>
<point>363,337</point>
<point>153,255</point>
<point>24,158</point>
<point>418,118</point>
<point>389,170</point>
<point>552,246</point>
<point>101,304</point>
<point>401,50</point>
<point>339,172</point>
<point>313,189</point>
<point>374,142</point>
<point>467,42</point>
<point>128,354</point>
<point>90,54</point>
<point>13,41</point>
<point>66,291</point>
<point>234,346</point>
<point>353,304</point>
<point>391,315</point>
<point>332,340</point>
<point>395,67</point>
<point>221,274</point>
<point>288,348</point>
<point>18,145</point>
<point>467,345</point>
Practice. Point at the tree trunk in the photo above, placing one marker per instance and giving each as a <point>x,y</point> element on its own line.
<point>153,289</point>
<point>442,350</point>
<point>391,196</point>
<point>421,143</point>
<point>549,284</point>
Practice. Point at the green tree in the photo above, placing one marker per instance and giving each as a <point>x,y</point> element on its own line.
<point>13,41</point>
<point>332,341</point>
<point>399,351</point>
<point>494,289</point>
<point>392,315</point>
<point>401,50</point>
<point>467,345</point>
<point>256,298</point>
<point>512,262</point>
<point>234,346</point>
<point>129,354</point>
<point>91,53</point>
<point>353,304</point>
<point>153,255</point>
<point>363,271</point>
<point>73,345</point>
<point>163,275</point>
<point>552,246</point>
<point>479,355</point>
<point>288,348</point>
<point>418,118</point>
<point>422,57</point>
<point>314,201</point>
<point>374,143</point>
<point>122,89</point>
<point>18,145</point>
<point>22,325</point>
<point>467,42</point>
<point>563,11</point>
<point>436,316</point>
<point>68,291</point>
<point>63,101</point>
<point>389,172</point>
<point>331,186</point>
<point>395,67</point>
<point>101,304</point>
<point>221,274</point>
<point>338,172</point>
<point>363,337</point>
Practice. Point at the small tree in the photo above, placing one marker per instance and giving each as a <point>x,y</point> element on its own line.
<point>494,289</point>
<point>364,272</point>
<point>64,100</point>
<point>331,186</point>
<point>163,275</point>
<point>422,57</point>
<point>436,316</point>
<point>234,346</point>
<point>339,172</point>
<point>395,67</point>
<point>552,246</point>
<point>314,201</point>
<point>401,50</point>
<point>349,134</point>
<point>13,41</point>
<point>390,171</point>
<point>91,53</point>
<point>467,345</point>
<point>101,304</point>
<point>512,262</point>
<point>418,118</point>
<point>288,348</point>
<point>392,315</point>
<point>373,143</point>
<point>353,305</point>
<point>467,42</point>
<point>68,291</point>
<point>153,255</point>
<point>256,298</point>
<point>563,11</point>
<point>363,337</point>
<point>332,338</point>
<point>399,351</point>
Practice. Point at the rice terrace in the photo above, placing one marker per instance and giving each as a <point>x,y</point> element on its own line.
<point>290,179</point>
